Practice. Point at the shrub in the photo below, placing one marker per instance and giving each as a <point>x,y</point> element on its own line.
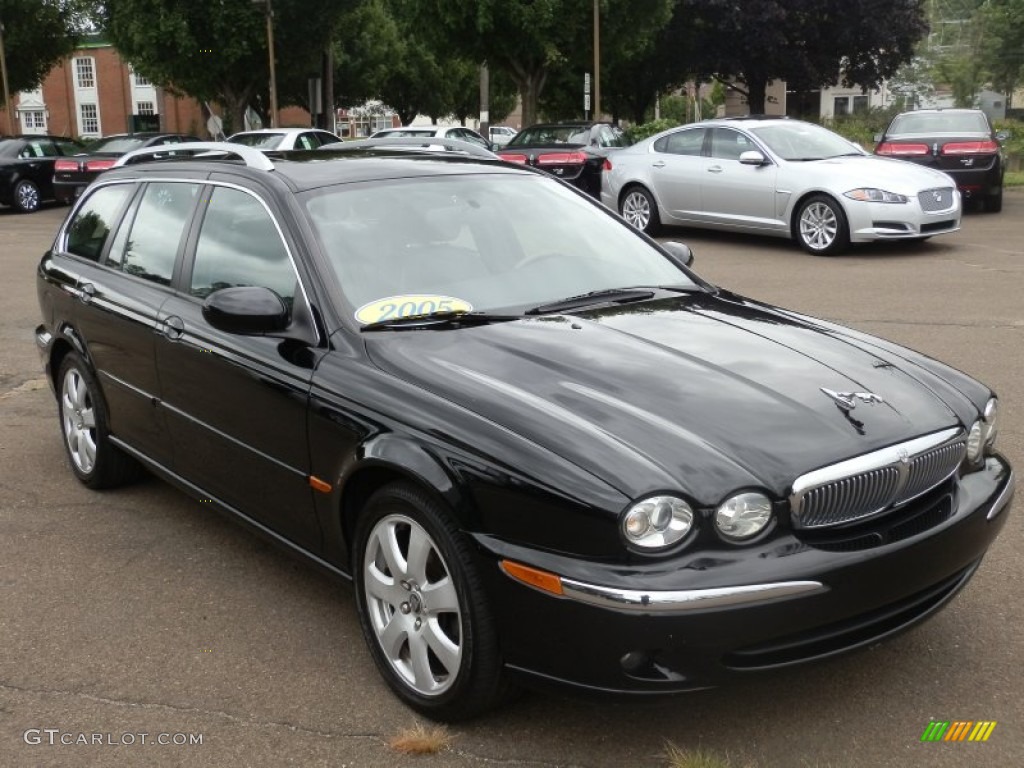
<point>637,133</point>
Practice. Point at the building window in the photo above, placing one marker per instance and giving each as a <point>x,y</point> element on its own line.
<point>861,104</point>
<point>840,106</point>
<point>144,108</point>
<point>140,81</point>
<point>89,119</point>
<point>84,74</point>
<point>34,120</point>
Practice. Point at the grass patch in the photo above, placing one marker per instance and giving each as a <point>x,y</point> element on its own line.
<point>420,740</point>
<point>700,758</point>
<point>1014,179</point>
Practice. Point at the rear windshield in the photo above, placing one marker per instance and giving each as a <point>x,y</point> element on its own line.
<point>939,122</point>
<point>391,133</point>
<point>115,144</point>
<point>258,140</point>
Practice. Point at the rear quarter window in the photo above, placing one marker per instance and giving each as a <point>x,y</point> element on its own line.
<point>89,229</point>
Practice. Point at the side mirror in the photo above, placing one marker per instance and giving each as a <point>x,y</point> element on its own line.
<point>752,157</point>
<point>1002,135</point>
<point>680,253</point>
<point>246,310</point>
<point>877,137</point>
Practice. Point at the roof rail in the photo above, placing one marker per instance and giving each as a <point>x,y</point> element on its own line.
<point>412,143</point>
<point>253,158</point>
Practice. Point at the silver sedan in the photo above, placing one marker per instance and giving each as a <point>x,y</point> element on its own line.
<point>779,177</point>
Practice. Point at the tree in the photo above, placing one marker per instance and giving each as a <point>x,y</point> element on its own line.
<point>218,50</point>
<point>528,38</point>
<point>37,35</point>
<point>1002,47</point>
<point>807,43</point>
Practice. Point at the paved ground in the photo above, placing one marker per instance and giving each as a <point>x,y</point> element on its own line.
<point>139,611</point>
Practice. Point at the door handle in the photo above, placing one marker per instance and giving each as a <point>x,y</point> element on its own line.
<point>659,164</point>
<point>714,169</point>
<point>86,292</point>
<point>173,327</point>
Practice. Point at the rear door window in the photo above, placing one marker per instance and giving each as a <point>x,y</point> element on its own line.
<point>152,232</point>
<point>89,230</point>
<point>687,142</point>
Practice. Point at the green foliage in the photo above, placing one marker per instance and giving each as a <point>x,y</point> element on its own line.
<point>862,127</point>
<point>1014,144</point>
<point>640,132</point>
<point>38,34</point>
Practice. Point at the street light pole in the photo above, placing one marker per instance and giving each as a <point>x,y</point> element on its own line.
<point>597,60</point>
<point>7,91</point>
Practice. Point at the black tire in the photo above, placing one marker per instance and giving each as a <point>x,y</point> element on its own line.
<point>994,203</point>
<point>820,226</point>
<point>637,206</point>
<point>84,425</point>
<point>25,197</point>
<point>434,601</point>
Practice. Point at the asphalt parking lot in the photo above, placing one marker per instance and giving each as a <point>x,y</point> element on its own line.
<point>140,611</point>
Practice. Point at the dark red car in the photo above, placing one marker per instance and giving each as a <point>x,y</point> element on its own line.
<point>574,152</point>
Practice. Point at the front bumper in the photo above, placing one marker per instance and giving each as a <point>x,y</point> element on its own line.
<point>665,628</point>
<point>884,221</point>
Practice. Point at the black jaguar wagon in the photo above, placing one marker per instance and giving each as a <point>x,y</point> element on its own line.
<point>541,446</point>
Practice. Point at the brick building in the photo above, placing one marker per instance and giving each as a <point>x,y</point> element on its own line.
<point>94,93</point>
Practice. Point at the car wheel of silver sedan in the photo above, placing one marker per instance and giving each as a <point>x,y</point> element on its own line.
<point>821,226</point>
<point>84,422</point>
<point>422,609</point>
<point>639,209</point>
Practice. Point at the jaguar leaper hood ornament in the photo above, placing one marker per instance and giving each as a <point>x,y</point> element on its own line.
<point>847,401</point>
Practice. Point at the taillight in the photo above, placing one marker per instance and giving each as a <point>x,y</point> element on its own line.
<point>99,165</point>
<point>987,147</point>
<point>521,159</point>
<point>562,158</point>
<point>901,150</point>
<point>65,165</point>
<point>607,164</point>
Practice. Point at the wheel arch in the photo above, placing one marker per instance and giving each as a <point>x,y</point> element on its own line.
<point>64,342</point>
<point>794,213</point>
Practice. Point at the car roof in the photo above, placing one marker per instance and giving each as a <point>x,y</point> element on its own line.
<point>279,130</point>
<point>303,170</point>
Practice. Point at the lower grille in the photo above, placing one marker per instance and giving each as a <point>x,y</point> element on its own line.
<point>937,226</point>
<point>865,486</point>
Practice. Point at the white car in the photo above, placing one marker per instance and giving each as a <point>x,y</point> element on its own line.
<point>441,131</point>
<point>780,177</point>
<point>502,134</point>
<point>283,139</point>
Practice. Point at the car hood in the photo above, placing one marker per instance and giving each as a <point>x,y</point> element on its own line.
<point>699,393</point>
<point>868,170</point>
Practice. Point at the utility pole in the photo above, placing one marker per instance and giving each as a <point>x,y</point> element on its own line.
<point>273,71</point>
<point>485,102</point>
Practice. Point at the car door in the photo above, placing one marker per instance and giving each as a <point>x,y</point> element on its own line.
<point>734,194</point>
<point>236,405</point>
<point>38,157</point>
<point>675,166</point>
<point>121,285</point>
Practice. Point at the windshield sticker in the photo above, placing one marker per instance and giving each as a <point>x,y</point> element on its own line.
<point>407,305</point>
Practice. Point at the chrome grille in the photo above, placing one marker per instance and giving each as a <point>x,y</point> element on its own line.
<point>867,485</point>
<point>940,199</point>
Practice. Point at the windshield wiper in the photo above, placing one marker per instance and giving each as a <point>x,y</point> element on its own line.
<point>445,318</point>
<point>606,296</point>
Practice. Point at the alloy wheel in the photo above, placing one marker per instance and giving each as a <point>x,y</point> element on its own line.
<point>28,197</point>
<point>819,226</point>
<point>413,605</point>
<point>636,209</point>
<point>79,420</point>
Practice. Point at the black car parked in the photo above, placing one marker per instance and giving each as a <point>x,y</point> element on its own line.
<point>26,169</point>
<point>73,175</point>
<point>539,444</point>
<point>574,152</point>
<point>959,142</point>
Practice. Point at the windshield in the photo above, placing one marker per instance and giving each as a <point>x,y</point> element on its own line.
<point>258,140</point>
<point>481,242</point>
<point>939,122</point>
<point>804,141</point>
<point>115,144</point>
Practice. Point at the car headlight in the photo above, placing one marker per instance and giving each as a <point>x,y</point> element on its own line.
<point>982,436</point>
<point>657,522</point>
<point>744,515</point>
<point>873,195</point>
